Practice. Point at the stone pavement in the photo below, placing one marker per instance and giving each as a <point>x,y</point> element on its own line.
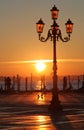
<point>28,112</point>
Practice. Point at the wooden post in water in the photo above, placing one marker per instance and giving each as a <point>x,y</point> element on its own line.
<point>78,82</point>
<point>31,82</point>
<point>18,83</point>
<point>83,77</point>
<point>83,82</point>
<point>69,81</point>
<point>26,84</point>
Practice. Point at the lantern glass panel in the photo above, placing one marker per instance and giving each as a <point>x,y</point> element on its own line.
<point>54,14</point>
<point>40,28</point>
<point>69,28</point>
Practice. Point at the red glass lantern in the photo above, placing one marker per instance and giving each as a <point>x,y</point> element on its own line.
<point>54,12</point>
<point>69,26</point>
<point>40,25</point>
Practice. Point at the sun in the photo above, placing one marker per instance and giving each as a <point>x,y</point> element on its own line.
<point>40,66</point>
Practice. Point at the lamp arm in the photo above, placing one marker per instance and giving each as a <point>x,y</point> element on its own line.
<point>65,39</point>
<point>49,35</point>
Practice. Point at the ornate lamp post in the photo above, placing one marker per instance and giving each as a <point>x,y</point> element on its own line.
<point>54,34</point>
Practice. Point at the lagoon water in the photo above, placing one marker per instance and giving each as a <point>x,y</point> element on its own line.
<point>38,84</point>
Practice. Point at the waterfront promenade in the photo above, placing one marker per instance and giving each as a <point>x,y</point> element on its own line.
<point>28,111</point>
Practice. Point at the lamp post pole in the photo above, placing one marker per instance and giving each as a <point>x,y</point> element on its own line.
<point>55,104</point>
<point>54,34</point>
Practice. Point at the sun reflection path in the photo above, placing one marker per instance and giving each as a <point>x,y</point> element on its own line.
<point>44,123</point>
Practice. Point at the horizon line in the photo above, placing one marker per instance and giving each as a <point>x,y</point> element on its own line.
<point>45,61</point>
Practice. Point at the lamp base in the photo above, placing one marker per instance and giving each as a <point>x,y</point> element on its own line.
<point>55,105</point>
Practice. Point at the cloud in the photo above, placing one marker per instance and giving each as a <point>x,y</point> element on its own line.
<point>46,61</point>
<point>71,60</point>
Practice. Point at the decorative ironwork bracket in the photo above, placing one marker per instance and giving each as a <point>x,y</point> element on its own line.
<point>58,36</point>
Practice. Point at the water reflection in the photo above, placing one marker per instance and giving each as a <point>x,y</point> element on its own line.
<point>40,84</point>
<point>44,122</point>
<point>41,118</point>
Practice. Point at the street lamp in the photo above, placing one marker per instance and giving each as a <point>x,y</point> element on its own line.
<point>54,34</point>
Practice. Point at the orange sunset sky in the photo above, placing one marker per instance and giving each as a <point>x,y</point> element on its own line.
<point>19,45</point>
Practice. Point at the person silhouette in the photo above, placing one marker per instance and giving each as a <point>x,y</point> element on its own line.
<point>42,96</point>
<point>38,96</point>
